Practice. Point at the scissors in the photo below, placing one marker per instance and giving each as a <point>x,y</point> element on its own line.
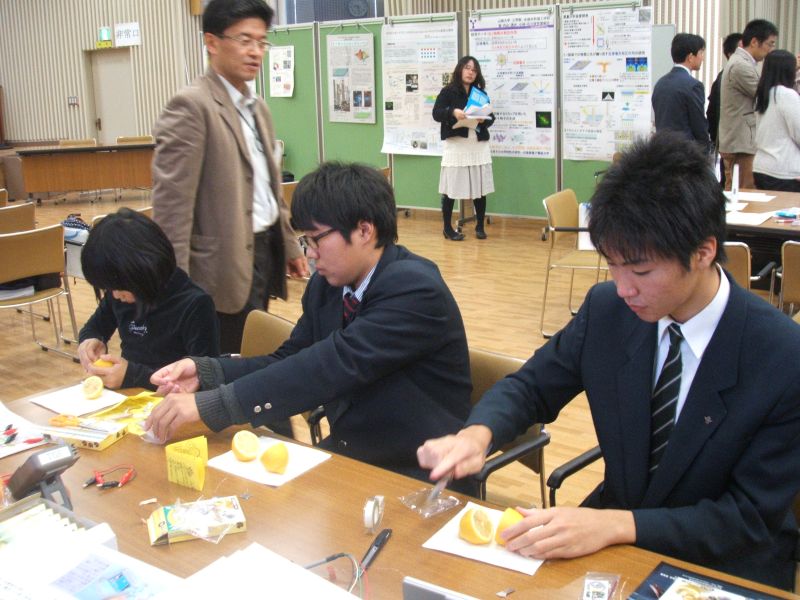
<point>72,421</point>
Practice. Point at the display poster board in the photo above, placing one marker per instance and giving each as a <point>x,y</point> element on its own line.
<point>517,54</point>
<point>605,79</point>
<point>418,59</point>
<point>281,71</point>
<point>351,78</point>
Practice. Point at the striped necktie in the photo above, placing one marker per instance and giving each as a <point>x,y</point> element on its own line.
<point>665,398</point>
<point>349,307</point>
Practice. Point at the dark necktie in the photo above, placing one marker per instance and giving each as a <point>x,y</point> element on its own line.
<point>349,307</point>
<point>665,398</point>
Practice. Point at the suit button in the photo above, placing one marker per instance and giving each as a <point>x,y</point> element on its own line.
<point>268,406</point>
<point>342,443</point>
<point>256,409</point>
<point>249,212</point>
<point>249,246</point>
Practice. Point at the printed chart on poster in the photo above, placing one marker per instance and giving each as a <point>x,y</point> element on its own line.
<point>605,79</point>
<point>418,60</point>
<point>281,71</point>
<point>517,54</point>
<point>351,78</point>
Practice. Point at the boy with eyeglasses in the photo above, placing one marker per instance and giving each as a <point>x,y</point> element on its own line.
<point>216,180</point>
<point>380,344</point>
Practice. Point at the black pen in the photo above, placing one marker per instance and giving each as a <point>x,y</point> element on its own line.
<point>380,542</point>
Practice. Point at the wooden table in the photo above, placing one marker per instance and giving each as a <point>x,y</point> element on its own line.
<point>770,227</point>
<point>319,514</point>
<point>56,169</point>
<point>765,240</point>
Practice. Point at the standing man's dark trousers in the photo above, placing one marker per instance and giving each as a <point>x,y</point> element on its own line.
<point>231,326</point>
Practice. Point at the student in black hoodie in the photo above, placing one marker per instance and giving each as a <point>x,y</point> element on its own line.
<point>161,316</point>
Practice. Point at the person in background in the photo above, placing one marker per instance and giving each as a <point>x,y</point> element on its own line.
<point>729,45</point>
<point>777,162</point>
<point>381,343</point>
<point>159,314</point>
<point>737,121</point>
<point>216,181</point>
<point>678,98</point>
<point>466,172</point>
<point>692,383</point>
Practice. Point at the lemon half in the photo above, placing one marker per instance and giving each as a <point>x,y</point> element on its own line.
<point>245,445</point>
<point>475,527</point>
<point>275,458</point>
<point>510,517</point>
<point>92,387</point>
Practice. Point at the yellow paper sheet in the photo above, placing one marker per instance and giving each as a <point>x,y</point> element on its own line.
<point>133,411</point>
<point>186,462</point>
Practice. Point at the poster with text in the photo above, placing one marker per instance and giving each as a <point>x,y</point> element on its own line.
<point>351,78</point>
<point>517,54</point>
<point>605,80</point>
<point>281,71</point>
<point>418,60</point>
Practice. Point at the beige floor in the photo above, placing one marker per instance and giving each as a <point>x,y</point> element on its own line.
<point>497,283</point>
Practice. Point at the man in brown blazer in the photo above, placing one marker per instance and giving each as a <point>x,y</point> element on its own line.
<point>217,186</point>
<point>737,121</point>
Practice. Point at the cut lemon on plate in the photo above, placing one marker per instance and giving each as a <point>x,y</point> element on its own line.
<point>92,387</point>
<point>275,458</point>
<point>510,517</point>
<point>245,445</point>
<point>475,527</point>
<point>103,364</point>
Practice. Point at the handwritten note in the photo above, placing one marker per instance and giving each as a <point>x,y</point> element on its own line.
<point>186,462</point>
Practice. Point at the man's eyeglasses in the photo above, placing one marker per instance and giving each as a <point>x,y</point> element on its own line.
<point>312,241</point>
<point>247,42</point>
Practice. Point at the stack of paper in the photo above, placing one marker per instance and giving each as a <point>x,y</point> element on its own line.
<point>256,568</point>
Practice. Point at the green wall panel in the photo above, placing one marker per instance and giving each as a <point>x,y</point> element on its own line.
<point>295,118</point>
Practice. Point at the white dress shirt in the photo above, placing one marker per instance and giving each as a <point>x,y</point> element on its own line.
<point>697,333</point>
<point>265,207</point>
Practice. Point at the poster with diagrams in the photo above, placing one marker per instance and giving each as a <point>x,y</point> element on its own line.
<point>418,61</point>
<point>351,78</point>
<point>605,79</point>
<point>517,54</point>
<point>281,71</point>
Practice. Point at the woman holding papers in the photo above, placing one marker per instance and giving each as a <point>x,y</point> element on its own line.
<point>160,315</point>
<point>463,109</point>
<point>777,162</point>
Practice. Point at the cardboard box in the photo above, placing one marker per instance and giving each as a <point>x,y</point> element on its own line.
<point>209,519</point>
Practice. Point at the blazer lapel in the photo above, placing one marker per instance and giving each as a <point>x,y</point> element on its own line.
<point>704,410</point>
<point>634,388</point>
<point>227,112</point>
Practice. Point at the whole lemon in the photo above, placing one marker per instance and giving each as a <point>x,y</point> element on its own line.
<point>275,458</point>
<point>103,364</point>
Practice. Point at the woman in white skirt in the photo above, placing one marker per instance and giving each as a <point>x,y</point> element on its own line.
<point>466,172</point>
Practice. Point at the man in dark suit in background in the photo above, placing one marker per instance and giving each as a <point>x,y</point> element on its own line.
<point>679,98</point>
<point>380,344</point>
<point>729,45</point>
<point>692,383</point>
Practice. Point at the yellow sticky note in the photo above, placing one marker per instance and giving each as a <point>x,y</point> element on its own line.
<point>186,462</point>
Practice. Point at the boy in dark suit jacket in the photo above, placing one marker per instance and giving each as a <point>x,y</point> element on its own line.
<point>700,464</point>
<point>381,343</point>
<point>678,98</point>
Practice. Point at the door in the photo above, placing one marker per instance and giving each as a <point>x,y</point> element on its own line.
<point>112,80</point>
